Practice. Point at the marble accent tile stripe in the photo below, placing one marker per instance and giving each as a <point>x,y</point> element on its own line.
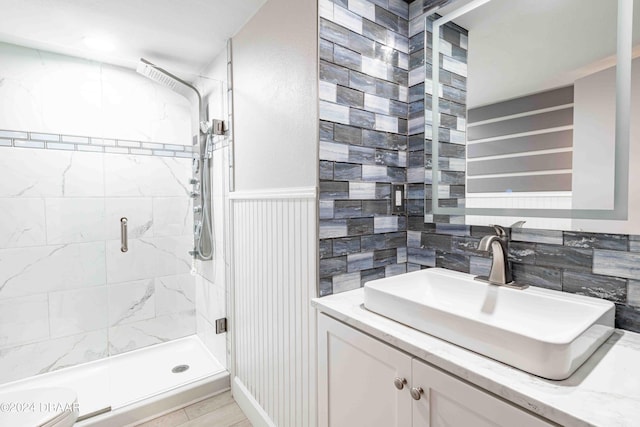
<point>60,146</point>
<point>117,150</point>
<point>130,144</point>
<point>34,136</point>
<point>75,139</point>
<point>103,141</point>
<point>152,146</point>
<point>28,144</point>
<point>10,134</point>
<point>38,140</point>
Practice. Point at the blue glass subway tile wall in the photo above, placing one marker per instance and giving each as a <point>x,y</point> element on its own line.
<point>364,60</point>
<point>598,265</point>
<point>372,133</point>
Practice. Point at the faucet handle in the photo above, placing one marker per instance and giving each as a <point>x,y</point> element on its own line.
<point>499,230</point>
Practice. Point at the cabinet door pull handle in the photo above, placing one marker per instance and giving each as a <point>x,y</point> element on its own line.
<point>399,383</point>
<point>124,241</point>
<point>417,392</point>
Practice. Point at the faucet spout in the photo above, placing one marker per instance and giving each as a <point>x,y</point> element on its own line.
<point>500,273</point>
<point>486,242</point>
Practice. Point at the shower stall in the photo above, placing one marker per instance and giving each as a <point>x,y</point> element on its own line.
<point>113,188</point>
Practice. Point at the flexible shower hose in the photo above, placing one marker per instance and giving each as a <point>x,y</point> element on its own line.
<point>205,228</point>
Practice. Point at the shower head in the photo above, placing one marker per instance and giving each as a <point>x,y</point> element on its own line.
<point>157,74</point>
<point>165,78</point>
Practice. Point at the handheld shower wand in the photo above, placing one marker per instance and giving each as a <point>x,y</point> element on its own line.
<point>203,237</point>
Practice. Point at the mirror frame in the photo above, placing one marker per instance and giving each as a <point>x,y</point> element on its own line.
<point>622,126</point>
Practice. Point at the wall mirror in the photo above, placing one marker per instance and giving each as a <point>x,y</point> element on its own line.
<point>538,122</point>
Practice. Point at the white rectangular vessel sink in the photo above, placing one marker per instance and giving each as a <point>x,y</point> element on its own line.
<point>544,332</point>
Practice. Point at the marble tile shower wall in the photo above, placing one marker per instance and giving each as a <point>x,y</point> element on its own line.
<point>68,295</point>
<point>49,93</point>
<point>598,265</point>
<point>363,140</point>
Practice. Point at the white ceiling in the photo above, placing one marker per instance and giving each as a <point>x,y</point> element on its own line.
<point>183,36</point>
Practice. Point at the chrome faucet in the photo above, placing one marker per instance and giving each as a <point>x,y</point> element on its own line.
<point>500,273</point>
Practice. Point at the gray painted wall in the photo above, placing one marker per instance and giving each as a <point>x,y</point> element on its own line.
<point>275,77</point>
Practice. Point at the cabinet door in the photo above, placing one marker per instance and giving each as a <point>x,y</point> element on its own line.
<point>448,401</point>
<point>356,379</point>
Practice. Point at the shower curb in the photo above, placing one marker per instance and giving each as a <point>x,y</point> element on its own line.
<point>161,404</point>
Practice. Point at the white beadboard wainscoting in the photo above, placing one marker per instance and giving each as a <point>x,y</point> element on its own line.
<point>275,270</point>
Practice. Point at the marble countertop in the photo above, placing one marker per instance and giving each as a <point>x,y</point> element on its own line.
<point>605,391</point>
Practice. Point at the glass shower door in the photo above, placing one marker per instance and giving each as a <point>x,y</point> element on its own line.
<point>82,146</point>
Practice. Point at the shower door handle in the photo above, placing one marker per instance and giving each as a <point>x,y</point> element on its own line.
<point>124,242</point>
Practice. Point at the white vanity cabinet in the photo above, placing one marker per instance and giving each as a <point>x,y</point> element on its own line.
<point>444,400</point>
<point>364,382</point>
<point>356,379</point>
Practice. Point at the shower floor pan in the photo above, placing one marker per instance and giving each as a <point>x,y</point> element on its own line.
<point>140,384</point>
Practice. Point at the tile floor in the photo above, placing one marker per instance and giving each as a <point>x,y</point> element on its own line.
<point>217,411</point>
